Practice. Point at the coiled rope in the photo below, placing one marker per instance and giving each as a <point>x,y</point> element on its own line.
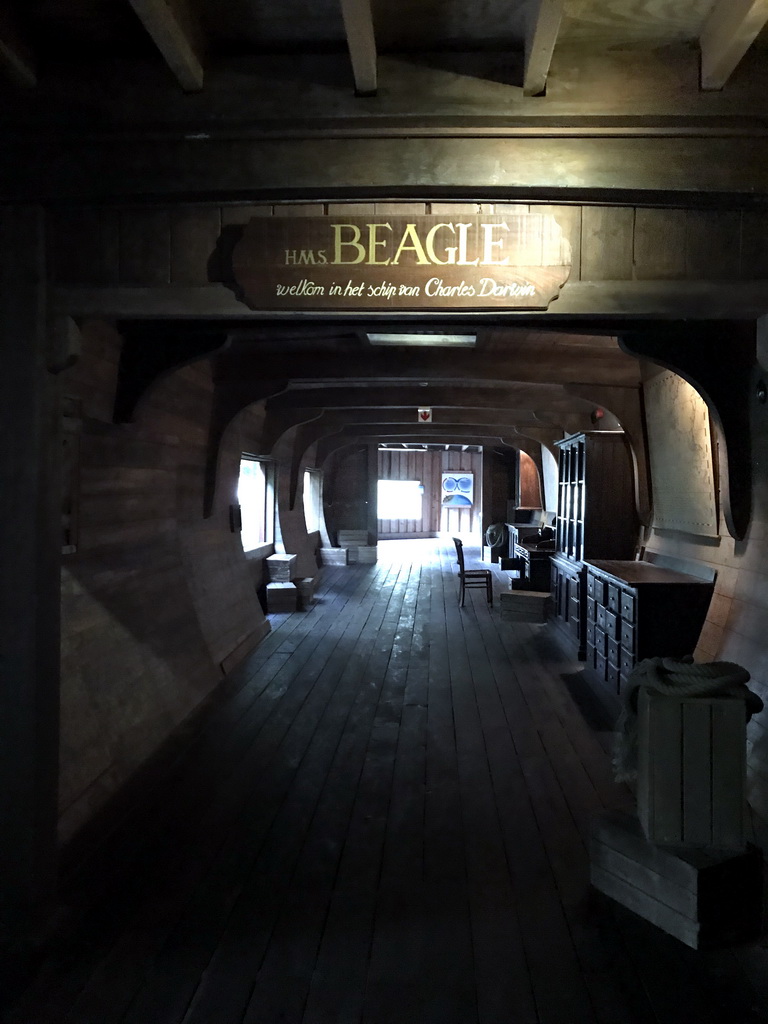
<point>675,678</point>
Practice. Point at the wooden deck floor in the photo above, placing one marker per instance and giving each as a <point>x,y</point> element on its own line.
<point>381,818</point>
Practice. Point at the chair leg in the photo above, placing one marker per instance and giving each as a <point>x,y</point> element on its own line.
<point>461,593</point>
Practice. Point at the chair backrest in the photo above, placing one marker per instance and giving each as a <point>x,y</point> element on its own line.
<point>459,553</point>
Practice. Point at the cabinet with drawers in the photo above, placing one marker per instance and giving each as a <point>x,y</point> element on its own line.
<point>568,598</point>
<point>595,518</point>
<point>637,610</point>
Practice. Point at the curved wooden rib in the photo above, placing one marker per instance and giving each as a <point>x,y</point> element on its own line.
<point>717,359</point>
<point>626,404</point>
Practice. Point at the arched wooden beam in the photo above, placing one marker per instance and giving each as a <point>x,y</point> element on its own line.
<point>154,350</point>
<point>495,394</point>
<point>306,435</point>
<point>323,421</point>
<point>545,436</point>
<point>569,423</point>
<point>626,404</point>
<point>509,365</point>
<point>228,401</point>
<point>327,427</point>
<point>717,359</point>
<point>279,421</point>
<point>329,445</point>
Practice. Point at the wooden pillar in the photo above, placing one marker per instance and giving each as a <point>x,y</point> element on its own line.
<point>372,500</point>
<point>30,546</point>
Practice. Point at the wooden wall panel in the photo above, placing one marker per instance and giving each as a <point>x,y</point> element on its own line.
<point>30,546</point>
<point>194,233</point>
<point>85,246</point>
<point>713,245</point>
<point>242,214</point>
<point>569,219</point>
<point>145,246</point>
<point>298,210</point>
<point>409,465</point>
<point>606,243</point>
<point>155,598</point>
<point>754,245</point>
<point>350,209</point>
<point>659,244</point>
<point>459,208</point>
<point>345,497</point>
<point>429,467</point>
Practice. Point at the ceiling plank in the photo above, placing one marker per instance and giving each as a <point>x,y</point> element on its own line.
<point>176,34</point>
<point>15,60</point>
<point>540,38</point>
<point>358,24</point>
<point>728,32</point>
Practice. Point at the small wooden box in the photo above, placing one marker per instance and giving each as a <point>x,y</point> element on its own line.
<point>704,898</point>
<point>334,556</point>
<point>281,597</point>
<point>523,606</point>
<point>280,567</point>
<point>691,785</point>
<point>367,554</point>
<point>352,538</point>
<point>306,592</point>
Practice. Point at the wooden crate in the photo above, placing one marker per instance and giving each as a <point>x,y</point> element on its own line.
<point>281,567</point>
<point>704,898</point>
<point>523,606</point>
<point>367,554</point>
<point>352,538</point>
<point>691,787</point>
<point>334,556</point>
<point>306,591</point>
<point>281,597</point>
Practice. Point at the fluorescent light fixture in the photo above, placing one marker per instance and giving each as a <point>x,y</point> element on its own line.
<point>425,340</point>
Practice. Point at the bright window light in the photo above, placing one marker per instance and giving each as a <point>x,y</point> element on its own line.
<point>400,499</point>
<point>313,505</point>
<point>255,496</point>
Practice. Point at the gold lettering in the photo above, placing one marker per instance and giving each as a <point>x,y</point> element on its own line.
<point>462,260</point>
<point>449,249</point>
<point>490,243</point>
<point>415,246</point>
<point>339,243</point>
<point>373,242</point>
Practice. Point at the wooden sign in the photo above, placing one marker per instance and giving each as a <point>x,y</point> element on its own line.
<point>438,262</point>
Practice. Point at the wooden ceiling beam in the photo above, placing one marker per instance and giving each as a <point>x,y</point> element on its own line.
<point>523,396</point>
<point>728,32</point>
<point>358,25</point>
<point>16,61</point>
<point>177,35</point>
<point>540,39</point>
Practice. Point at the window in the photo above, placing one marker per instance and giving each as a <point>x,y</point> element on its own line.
<point>256,496</point>
<point>400,499</point>
<point>313,502</point>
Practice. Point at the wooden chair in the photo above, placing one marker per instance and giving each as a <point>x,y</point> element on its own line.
<point>472,577</point>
